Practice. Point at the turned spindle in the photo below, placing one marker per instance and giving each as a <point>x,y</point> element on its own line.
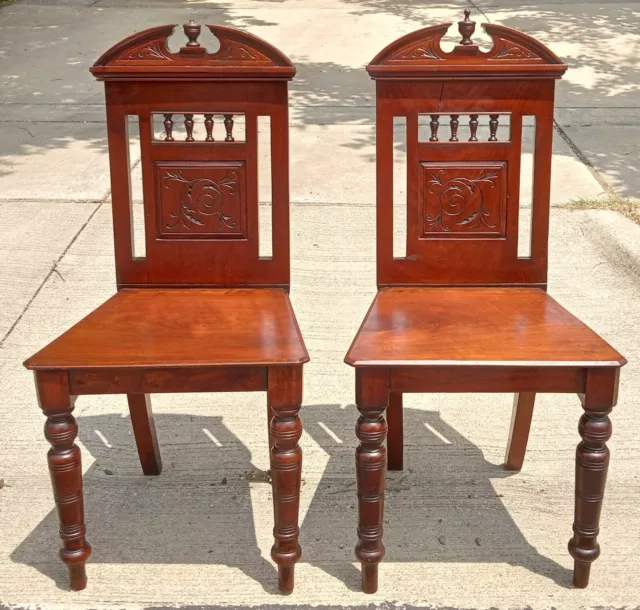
<point>188,125</point>
<point>493,127</point>
<point>208,125</point>
<point>434,127</point>
<point>454,127</point>
<point>473,127</point>
<point>228,125</point>
<point>168,128</point>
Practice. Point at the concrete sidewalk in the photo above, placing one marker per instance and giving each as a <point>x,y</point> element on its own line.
<point>185,539</point>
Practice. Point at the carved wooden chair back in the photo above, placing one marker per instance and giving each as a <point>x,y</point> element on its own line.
<point>200,187</point>
<point>463,193</point>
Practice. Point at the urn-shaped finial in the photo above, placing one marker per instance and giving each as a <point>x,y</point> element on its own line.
<point>192,31</point>
<point>466,27</point>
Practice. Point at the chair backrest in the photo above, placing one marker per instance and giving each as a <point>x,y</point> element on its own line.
<point>200,187</point>
<point>463,194</point>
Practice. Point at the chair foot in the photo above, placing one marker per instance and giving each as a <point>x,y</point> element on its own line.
<point>369,578</point>
<point>286,578</point>
<point>78,577</point>
<point>581,571</point>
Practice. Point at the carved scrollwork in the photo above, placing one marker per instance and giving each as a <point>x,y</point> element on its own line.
<point>232,50</point>
<point>148,51</point>
<point>201,197</point>
<point>425,49</point>
<point>512,50</point>
<point>461,202</point>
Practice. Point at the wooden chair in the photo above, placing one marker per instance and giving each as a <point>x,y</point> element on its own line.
<point>201,311</point>
<point>463,312</point>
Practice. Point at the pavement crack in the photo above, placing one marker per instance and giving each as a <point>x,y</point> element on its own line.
<point>51,272</point>
<point>584,159</point>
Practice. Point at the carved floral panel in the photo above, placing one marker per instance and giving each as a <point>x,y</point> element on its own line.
<point>201,201</point>
<point>463,200</point>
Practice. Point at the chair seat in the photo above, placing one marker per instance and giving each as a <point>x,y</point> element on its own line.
<point>475,326</point>
<point>180,327</point>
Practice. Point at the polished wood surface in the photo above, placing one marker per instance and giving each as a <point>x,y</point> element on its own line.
<point>199,310</point>
<point>181,328</point>
<point>489,326</point>
<point>465,310</point>
<point>200,194</point>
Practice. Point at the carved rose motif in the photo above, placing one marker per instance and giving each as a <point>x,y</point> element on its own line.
<point>461,202</point>
<point>202,197</point>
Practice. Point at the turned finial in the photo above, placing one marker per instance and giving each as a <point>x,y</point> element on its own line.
<point>193,47</point>
<point>466,27</point>
<point>192,31</point>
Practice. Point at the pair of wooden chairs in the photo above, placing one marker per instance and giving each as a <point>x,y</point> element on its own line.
<point>203,312</point>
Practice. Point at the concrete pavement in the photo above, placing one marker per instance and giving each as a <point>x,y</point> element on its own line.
<point>186,539</point>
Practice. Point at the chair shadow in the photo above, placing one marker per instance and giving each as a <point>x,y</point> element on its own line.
<point>198,511</point>
<point>442,507</point>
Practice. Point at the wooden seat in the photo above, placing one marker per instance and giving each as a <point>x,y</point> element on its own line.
<point>475,327</point>
<point>181,328</point>
<point>199,308</point>
<point>465,310</point>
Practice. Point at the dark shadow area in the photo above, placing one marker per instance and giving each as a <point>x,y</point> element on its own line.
<point>198,511</point>
<point>441,508</point>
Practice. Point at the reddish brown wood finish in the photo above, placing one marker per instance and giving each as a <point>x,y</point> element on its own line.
<point>462,312</point>
<point>201,311</point>
<point>144,430</point>
<point>395,443</point>
<point>519,432</point>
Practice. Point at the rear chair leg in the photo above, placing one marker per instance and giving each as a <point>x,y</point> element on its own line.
<point>144,430</point>
<point>519,433</point>
<point>395,435</point>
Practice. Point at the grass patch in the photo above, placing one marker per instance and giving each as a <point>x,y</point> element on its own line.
<point>612,202</point>
<point>6,2</point>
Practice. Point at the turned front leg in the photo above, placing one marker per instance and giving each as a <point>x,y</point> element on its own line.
<point>285,398</point>
<point>592,462</point>
<point>65,469</point>
<point>371,469</point>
